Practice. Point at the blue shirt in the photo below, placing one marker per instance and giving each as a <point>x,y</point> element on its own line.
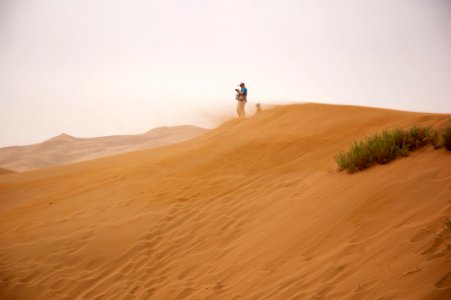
<point>244,90</point>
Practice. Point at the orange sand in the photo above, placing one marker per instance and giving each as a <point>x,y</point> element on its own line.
<point>5,171</point>
<point>64,149</point>
<point>254,209</point>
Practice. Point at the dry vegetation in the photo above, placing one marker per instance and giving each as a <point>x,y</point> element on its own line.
<point>385,147</point>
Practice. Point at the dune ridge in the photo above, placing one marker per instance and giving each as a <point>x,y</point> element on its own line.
<point>253,209</point>
<point>64,149</point>
<point>5,171</point>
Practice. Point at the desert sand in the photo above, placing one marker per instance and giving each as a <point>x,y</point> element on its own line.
<point>5,171</point>
<point>254,209</point>
<point>64,149</point>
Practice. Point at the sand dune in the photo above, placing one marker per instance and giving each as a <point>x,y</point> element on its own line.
<point>5,171</point>
<point>254,209</point>
<point>65,149</point>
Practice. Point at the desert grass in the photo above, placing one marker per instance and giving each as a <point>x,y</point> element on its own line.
<point>446,137</point>
<point>447,224</point>
<point>385,147</point>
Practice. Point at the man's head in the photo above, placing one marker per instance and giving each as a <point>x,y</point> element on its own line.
<point>242,84</point>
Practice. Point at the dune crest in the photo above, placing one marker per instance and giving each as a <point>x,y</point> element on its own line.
<point>253,209</point>
<point>64,148</point>
<point>5,171</point>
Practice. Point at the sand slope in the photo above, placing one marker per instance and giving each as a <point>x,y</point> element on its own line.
<point>5,171</point>
<point>254,209</point>
<point>65,149</point>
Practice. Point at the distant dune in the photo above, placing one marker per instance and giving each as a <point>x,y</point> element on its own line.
<point>254,209</point>
<point>65,149</point>
<point>5,171</point>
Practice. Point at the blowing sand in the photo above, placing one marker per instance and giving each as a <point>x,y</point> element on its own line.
<point>254,209</point>
<point>64,149</point>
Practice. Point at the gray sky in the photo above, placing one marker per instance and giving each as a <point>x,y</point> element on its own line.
<point>102,67</point>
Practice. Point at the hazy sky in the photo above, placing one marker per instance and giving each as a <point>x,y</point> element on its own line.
<point>102,67</point>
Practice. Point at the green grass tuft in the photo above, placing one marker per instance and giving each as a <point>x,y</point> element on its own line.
<point>436,139</point>
<point>446,137</point>
<point>383,148</point>
<point>448,224</point>
<point>418,137</point>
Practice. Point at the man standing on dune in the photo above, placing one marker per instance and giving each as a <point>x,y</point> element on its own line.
<point>242,99</point>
